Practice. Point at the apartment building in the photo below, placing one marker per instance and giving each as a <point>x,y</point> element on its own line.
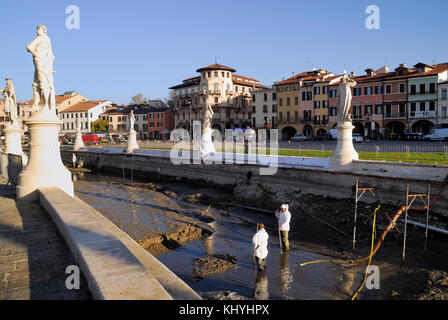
<point>264,108</point>
<point>228,93</point>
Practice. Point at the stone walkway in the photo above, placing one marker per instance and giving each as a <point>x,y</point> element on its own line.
<point>33,257</point>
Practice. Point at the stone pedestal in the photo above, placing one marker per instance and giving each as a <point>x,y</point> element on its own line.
<point>13,142</point>
<point>78,142</point>
<point>345,152</point>
<point>45,167</point>
<point>207,147</point>
<point>132,142</point>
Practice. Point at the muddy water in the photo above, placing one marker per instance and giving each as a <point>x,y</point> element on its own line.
<point>143,213</point>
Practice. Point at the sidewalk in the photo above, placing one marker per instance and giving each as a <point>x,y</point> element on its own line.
<point>33,257</point>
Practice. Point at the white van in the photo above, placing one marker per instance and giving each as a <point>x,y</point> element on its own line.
<point>437,134</point>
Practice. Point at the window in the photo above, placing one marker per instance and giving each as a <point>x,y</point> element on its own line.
<point>216,74</point>
<point>316,104</point>
<point>222,74</point>
<point>432,88</point>
<point>432,106</point>
<point>378,89</point>
<point>333,111</point>
<point>274,108</point>
<point>325,104</point>
<point>288,101</point>
<point>216,87</point>
<point>309,95</point>
<point>333,93</point>
<point>265,108</point>
<point>422,88</point>
<point>265,97</point>
<point>274,95</point>
<point>422,106</point>
<point>443,97</point>
<point>253,98</point>
<point>280,102</point>
<point>316,90</point>
<point>296,101</point>
<point>378,109</point>
<point>388,88</point>
<point>357,110</point>
<point>402,87</point>
<point>413,107</point>
<point>356,92</point>
<point>280,116</point>
<point>288,116</point>
<point>413,89</point>
<point>325,90</point>
<point>444,112</point>
<point>296,115</point>
<point>368,109</point>
<point>303,96</point>
<point>368,91</point>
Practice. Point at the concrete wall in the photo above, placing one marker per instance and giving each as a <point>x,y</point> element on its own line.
<point>390,178</point>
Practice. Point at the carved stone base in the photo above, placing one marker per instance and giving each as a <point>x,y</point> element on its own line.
<point>207,147</point>
<point>13,142</point>
<point>132,142</point>
<point>45,167</point>
<point>345,152</point>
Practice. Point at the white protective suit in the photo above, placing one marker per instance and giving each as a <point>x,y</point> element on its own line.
<point>260,243</point>
<point>283,219</point>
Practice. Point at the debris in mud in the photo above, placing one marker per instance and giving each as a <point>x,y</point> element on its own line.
<point>193,198</point>
<point>179,234</point>
<point>213,264</point>
<point>223,295</point>
<point>436,286</point>
<point>170,193</point>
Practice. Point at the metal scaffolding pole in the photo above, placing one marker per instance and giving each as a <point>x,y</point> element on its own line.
<point>361,192</point>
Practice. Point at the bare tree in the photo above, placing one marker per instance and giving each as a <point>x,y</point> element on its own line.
<point>138,99</point>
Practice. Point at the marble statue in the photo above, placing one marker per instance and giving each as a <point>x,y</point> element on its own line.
<point>208,116</point>
<point>10,102</point>
<point>345,99</point>
<point>207,147</point>
<point>78,125</point>
<point>132,121</point>
<point>43,59</point>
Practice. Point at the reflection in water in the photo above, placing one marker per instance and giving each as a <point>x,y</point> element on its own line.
<point>208,244</point>
<point>285,272</point>
<point>261,286</point>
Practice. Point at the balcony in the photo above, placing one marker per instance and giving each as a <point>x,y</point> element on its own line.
<point>306,120</point>
<point>422,114</point>
<point>357,117</point>
<point>396,115</point>
<point>285,121</point>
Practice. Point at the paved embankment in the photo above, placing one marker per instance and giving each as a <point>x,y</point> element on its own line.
<point>33,257</point>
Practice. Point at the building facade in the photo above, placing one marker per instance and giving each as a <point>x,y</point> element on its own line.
<point>86,112</point>
<point>264,108</point>
<point>229,95</point>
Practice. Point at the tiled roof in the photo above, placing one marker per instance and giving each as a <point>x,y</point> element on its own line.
<point>59,99</point>
<point>215,67</point>
<point>83,106</point>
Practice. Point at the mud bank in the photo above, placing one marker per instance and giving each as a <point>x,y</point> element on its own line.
<point>321,224</point>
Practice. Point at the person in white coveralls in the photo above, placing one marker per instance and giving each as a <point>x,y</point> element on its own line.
<point>284,217</point>
<point>260,244</point>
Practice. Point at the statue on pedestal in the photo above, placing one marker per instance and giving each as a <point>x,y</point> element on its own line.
<point>207,147</point>
<point>43,59</point>
<point>345,99</point>
<point>132,121</point>
<point>10,103</point>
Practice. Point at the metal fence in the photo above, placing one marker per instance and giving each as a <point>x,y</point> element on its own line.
<point>422,152</point>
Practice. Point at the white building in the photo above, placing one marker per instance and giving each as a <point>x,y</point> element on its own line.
<point>85,112</point>
<point>264,108</point>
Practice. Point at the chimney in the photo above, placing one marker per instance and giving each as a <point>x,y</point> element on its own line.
<point>293,74</point>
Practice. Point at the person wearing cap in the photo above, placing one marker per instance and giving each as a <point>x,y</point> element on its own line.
<point>260,244</point>
<point>284,217</point>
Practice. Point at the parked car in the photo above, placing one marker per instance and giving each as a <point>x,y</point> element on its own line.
<point>415,136</point>
<point>357,137</point>
<point>437,134</point>
<point>322,137</point>
<point>90,138</point>
<point>374,136</point>
<point>299,137</point>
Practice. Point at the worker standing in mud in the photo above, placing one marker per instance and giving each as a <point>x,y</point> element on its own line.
<point>284,217</point>
<point>260,243</point>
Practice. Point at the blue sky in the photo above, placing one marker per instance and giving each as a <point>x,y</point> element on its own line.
<point>127,47</point>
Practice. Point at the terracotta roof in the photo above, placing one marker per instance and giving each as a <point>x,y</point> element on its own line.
<point>244,77</point>
<point>215,67</point>
<point>83,106</point>
<point>192,78</point>
<point>247,83</point>
<point>59,99</point>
